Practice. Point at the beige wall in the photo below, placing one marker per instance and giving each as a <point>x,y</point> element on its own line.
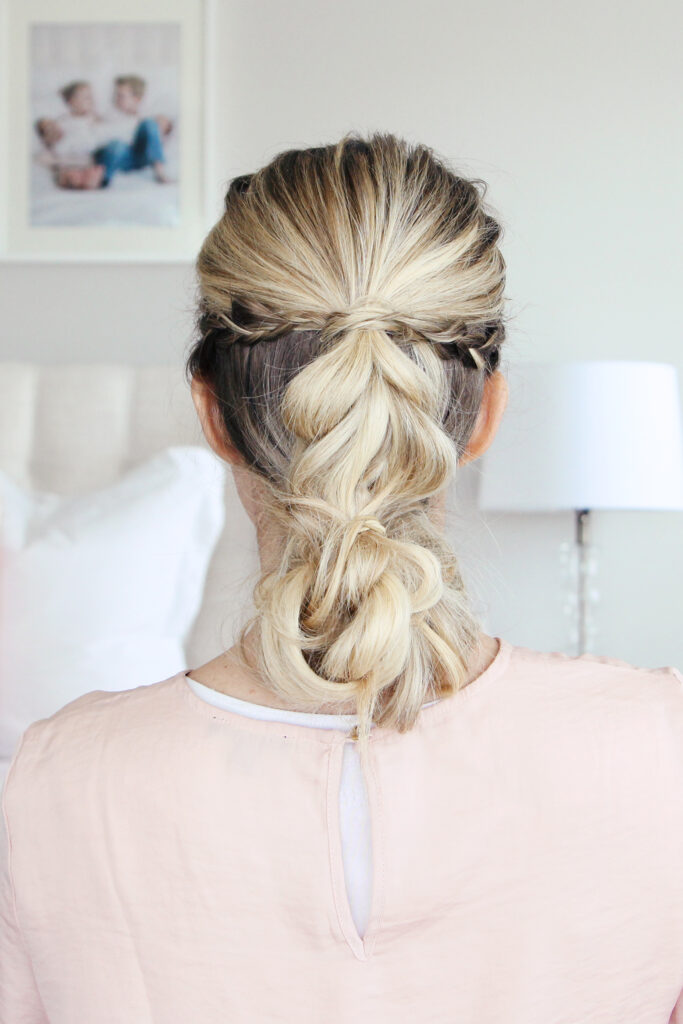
<point>567,110</point>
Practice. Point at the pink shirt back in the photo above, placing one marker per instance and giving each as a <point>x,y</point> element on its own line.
<point>174,862</point>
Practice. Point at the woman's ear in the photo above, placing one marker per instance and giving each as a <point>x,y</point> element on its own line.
<point>209,416</point>
<point>493,403</point>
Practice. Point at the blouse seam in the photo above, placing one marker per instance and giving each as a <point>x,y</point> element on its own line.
<point>10,776</point>
<point>331,834</point>
<point>378,852</point>
<point>10,875</point>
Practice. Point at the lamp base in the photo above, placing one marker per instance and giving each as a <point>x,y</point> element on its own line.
<point>578,570</point>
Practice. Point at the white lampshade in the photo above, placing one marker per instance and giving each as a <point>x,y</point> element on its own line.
<point>587,435</point>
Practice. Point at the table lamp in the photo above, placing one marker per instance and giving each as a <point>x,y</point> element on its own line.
<point>602,434</point>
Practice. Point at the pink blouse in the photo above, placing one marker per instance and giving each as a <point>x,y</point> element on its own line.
<point>172,862</point>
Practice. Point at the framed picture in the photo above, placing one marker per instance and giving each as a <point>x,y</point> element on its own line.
<point>104,129</point>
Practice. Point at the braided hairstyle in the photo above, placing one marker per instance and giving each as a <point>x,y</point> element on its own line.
<point>350,310</point>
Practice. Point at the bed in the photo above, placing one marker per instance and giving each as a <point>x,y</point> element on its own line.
<point>71,429</point>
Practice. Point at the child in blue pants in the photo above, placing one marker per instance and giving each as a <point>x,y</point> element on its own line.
<point>145,148</point>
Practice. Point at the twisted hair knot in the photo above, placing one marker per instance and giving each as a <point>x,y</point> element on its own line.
<point>367,315</point>
<point>370,314</point>
<point>368,522</point>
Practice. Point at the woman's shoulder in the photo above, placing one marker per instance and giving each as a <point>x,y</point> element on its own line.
<point>582,697</point>
<point>86,729</point>
<point>140,698</point>
<point>591,671</point>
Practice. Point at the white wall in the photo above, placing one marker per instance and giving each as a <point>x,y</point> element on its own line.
<point>568,111</point>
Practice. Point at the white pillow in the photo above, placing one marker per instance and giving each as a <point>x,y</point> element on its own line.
<point>100,591</point>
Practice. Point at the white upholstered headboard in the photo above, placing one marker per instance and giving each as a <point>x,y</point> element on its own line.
<point>69,429</point>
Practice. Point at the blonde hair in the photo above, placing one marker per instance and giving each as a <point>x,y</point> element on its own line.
<point>350,310</point>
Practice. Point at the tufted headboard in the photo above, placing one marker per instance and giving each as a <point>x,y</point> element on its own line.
<point>70,429</point>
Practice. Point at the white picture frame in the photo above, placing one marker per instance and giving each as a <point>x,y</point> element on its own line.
<point>127,231</point>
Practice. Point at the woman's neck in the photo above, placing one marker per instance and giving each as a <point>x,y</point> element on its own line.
<point>227,674</point>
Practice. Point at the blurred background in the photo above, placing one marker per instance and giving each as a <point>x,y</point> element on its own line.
<point>570,112</point>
